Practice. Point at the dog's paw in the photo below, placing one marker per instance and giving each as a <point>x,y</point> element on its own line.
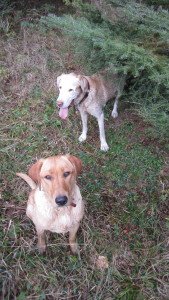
<point>114,114</point>
<point>41,248</point>
<point>74,248</point>
<point>82,137</point>
<point>104,147</point>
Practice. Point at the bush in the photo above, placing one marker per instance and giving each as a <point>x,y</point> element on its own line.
<point>129,37</point>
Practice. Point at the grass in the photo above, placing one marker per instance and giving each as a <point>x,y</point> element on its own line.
<point>125,190</point>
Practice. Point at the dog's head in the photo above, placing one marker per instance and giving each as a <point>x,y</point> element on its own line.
<point>56,177</point>
<point>70,86</point>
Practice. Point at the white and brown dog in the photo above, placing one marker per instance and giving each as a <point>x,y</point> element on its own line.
<point>90,94</point>
<point>55,202</point>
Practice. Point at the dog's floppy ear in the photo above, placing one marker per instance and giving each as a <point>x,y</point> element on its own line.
<point>76,162</point>
<point>58,80</point>
<point>84,84</point>
<point>34,170</point>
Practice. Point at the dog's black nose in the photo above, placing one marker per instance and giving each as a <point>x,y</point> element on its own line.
<point>61,200</point>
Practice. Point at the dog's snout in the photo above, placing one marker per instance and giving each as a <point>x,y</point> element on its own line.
<point>59,103</point>
<point>61,200</point>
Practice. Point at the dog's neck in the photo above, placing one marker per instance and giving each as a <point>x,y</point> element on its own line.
<point>80,99</point>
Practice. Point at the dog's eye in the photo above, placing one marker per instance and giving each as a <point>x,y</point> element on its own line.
<point>70,90</point>
<point>48,177</point>
<point>66,174</point>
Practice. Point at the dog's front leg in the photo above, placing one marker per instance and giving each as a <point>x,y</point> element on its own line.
<point>100,119</point>
<point>41,241</point>
<point>84,118</point>
<point>72,239</point>
<point>114,111</point>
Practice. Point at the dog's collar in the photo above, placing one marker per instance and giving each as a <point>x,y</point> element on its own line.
<point>72,202</point>
<point>84,97</point>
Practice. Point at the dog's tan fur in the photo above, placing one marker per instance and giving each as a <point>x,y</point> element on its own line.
<point>46,178</point>
<point>90,94</point>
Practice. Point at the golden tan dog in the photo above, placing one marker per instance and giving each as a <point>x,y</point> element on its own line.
<point>55,202</point>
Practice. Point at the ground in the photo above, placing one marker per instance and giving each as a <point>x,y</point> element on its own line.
<point>123,237</point>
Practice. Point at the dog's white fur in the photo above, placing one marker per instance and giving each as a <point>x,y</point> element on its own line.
<point>90,94</point>
<point>47,181</point>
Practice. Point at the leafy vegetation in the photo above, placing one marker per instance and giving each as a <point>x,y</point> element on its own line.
<point>126,189</point>
<point>131,38</point>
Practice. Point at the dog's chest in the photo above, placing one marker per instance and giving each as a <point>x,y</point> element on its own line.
<point>62,223</point>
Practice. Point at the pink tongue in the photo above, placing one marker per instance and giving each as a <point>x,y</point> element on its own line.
<point>63,113</point>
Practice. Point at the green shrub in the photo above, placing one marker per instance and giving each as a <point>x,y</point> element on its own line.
<point>128,37</point>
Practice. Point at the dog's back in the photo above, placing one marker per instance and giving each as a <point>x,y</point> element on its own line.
<point>105,86</point>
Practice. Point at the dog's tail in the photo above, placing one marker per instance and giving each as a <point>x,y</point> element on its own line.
<point>29,180</point>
